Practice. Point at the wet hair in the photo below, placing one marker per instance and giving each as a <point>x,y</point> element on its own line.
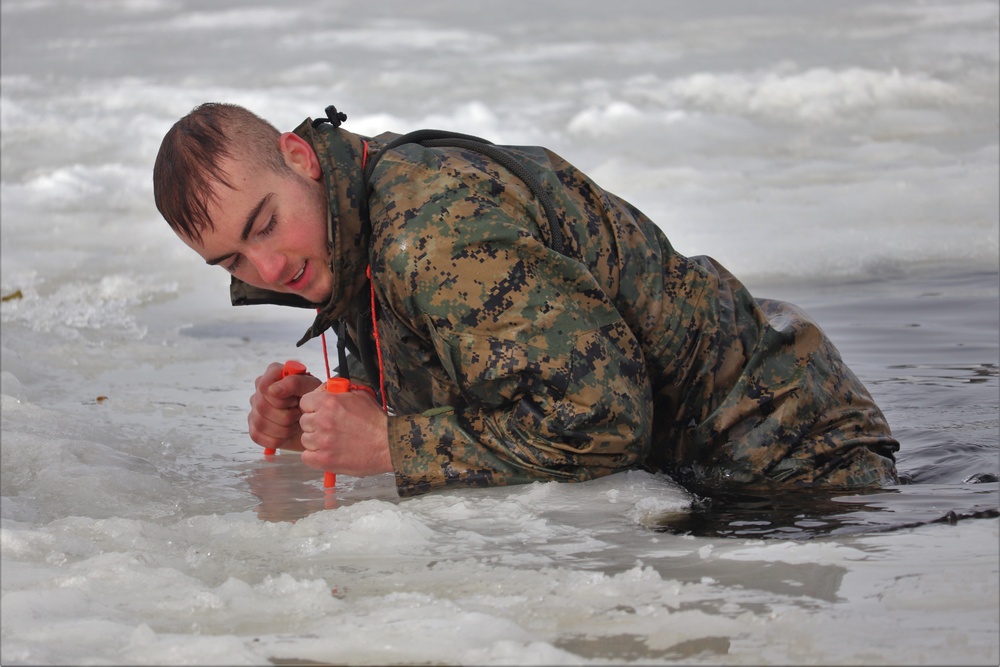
<point>188,166</point>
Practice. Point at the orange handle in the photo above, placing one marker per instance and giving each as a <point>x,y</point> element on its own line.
<point>291,367</point>
<point>338,385</point>
<point>335,386</point>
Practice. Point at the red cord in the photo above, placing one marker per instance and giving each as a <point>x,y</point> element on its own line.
<point>378,341</point>
<point>326,355</point>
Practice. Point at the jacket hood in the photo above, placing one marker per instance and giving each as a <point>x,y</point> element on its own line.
<point>340,154</point>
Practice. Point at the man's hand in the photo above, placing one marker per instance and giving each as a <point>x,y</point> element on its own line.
<point>274,408</point>
<point>344,433</point>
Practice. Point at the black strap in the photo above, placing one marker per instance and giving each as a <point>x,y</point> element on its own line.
<point>440,138</point>
<point>342,350</point>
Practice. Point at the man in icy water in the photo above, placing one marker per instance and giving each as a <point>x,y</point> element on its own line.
<point>515,321</point>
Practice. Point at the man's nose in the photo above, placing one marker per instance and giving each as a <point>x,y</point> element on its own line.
<point>270,265</point>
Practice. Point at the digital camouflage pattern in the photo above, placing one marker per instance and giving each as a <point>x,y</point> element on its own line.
<point>507,362</point>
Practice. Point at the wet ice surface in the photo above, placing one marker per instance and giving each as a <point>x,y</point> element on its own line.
<point>841,156</point>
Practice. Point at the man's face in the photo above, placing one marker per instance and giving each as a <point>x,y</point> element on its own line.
<point>270,229</point>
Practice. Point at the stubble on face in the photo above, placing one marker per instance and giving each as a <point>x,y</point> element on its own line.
<point>319,203</point>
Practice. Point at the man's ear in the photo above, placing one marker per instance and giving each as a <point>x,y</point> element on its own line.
<point>299,155</point>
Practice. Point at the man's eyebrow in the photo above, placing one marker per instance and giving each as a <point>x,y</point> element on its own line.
<point>247,228</point>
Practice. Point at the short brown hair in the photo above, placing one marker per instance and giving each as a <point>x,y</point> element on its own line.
<point>188,165</point>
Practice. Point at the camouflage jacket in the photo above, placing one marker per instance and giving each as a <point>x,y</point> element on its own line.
<point>507,362</point>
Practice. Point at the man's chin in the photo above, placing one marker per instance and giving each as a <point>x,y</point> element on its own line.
<point>315,295</point>
<point>318,296</point>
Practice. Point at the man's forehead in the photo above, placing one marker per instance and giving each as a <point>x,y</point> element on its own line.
<point>237,180</point>
<point>222,203</point>
<point>227,174</point>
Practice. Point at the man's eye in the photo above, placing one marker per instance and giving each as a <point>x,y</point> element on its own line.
<point>269,227</point>
<point>235,264</point>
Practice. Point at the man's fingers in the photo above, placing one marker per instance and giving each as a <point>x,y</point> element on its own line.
<point>268,400</point>
<point>268,433</point>
<point>292,387</point>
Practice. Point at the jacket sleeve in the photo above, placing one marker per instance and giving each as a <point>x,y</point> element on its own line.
<point>551,381</point>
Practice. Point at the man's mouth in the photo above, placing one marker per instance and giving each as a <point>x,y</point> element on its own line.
<point>297,277</point>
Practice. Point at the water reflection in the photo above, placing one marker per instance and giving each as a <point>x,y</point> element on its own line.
<point>940,374</point>
<point>804,515</point>
<point>289,490</point>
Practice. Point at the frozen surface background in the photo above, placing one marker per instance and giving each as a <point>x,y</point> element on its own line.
<point>842,155</point>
